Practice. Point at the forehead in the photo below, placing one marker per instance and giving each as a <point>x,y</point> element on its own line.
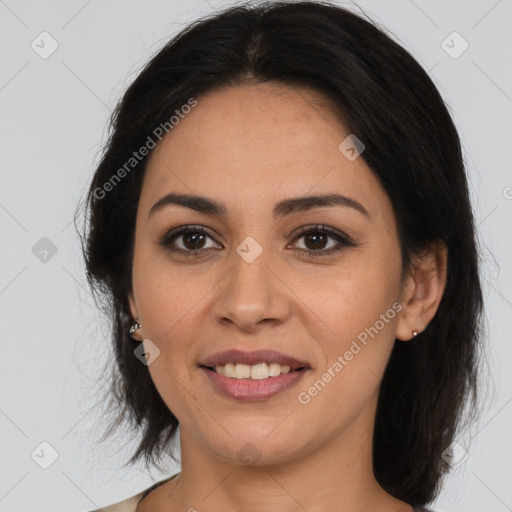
<point>268,140</point>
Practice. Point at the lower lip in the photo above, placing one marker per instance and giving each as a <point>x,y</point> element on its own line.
<point>252,389</point>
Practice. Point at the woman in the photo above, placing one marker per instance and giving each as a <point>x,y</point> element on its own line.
<point>281,222</point>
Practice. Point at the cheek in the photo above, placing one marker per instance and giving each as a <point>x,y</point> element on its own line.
<point>358,309</point>
<point>168,294</point>
<point>351,297</point>
<point>356,349</point>
<point>170,304</point>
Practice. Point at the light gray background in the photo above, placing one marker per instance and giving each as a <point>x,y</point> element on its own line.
<point>53,118</point>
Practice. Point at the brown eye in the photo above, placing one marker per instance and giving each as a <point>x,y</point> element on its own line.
<point>316,241</point>
<point>193,240</point>
<point>187,240</point>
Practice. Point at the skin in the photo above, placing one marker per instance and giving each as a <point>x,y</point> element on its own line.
<point>249,147</point>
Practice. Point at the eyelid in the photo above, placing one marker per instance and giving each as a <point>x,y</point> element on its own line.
<point>342,238</point>
<point>321,228</point>
<point>343,241</point>
<point>181,230</point>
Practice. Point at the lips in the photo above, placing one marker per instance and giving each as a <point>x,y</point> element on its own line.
<point>253,358</point>
<point>249,390</point>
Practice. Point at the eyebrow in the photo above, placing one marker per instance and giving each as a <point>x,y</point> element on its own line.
<point>285,207</point>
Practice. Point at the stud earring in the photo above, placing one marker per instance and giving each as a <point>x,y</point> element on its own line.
<point>134,327</point>
<point>415,333</point>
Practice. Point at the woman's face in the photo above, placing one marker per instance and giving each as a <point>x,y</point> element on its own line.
<point>255,281</point>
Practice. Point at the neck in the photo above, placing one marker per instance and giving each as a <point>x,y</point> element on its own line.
<point>337,475</point>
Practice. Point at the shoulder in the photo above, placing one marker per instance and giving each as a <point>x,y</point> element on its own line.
<point>130,504</point>
<point>127,505</point>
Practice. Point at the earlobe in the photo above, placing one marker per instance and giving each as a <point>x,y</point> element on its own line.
<point>423,291</point>
<point>407,320</point>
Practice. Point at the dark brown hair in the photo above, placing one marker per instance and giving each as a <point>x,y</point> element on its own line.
<point>384,97</point>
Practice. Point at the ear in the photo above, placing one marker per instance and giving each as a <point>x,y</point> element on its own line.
<point>423,290</point>
<point>134,315</point>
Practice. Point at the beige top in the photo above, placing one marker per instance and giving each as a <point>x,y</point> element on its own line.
<point>130,504</point>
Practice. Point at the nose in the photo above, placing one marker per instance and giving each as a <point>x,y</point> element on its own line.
<point>252,295</point>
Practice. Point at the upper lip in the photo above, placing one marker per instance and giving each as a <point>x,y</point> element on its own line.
<point>251,358</point>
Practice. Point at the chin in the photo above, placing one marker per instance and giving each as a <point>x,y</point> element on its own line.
<point>256,447</point>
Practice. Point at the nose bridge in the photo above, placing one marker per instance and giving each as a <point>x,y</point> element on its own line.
<point>251,292</point>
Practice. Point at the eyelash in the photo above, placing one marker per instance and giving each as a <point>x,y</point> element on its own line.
<point>343,240</point>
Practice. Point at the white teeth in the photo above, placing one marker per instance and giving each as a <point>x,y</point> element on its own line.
<point>242,371</point>
<point>274,369</point>
<point>256,371</point>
